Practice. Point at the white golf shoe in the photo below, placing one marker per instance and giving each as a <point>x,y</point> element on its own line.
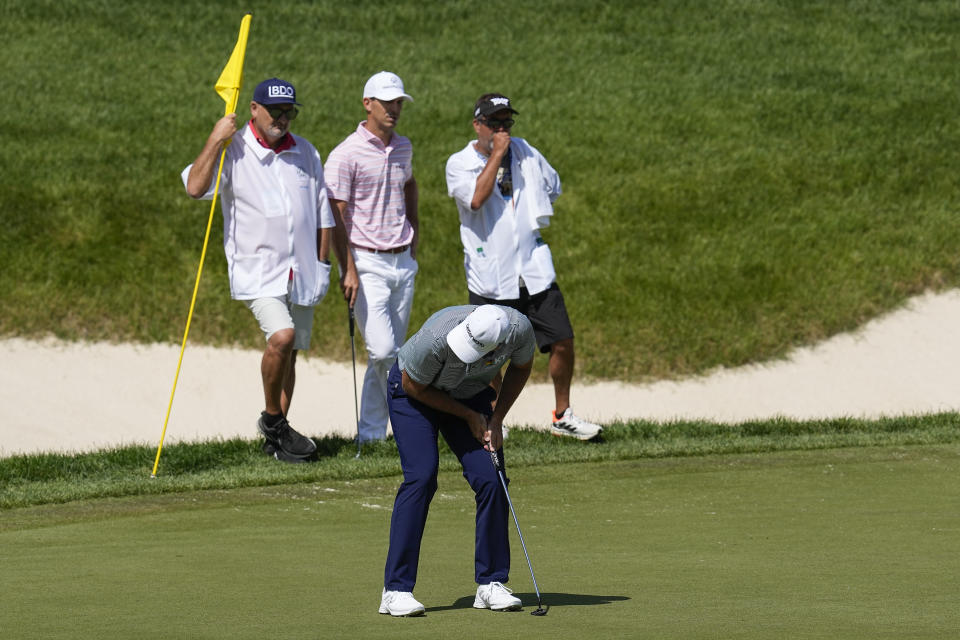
<point>400,604</point>
<point>497,597</point>
<point>571,426</point>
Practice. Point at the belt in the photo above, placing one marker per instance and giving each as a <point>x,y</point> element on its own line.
<point>393,250</point>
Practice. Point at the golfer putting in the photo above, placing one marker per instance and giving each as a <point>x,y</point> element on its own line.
<point>441,384</point>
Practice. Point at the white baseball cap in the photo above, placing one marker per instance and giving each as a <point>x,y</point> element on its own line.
<point>385,86</point>
<point>479,333</point>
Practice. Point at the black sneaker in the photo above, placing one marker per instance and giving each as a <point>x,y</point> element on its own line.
<point>283,437</point>
<point>268,448</point>
<point>277,454</point>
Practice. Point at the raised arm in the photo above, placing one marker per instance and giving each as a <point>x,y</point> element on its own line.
<point>201,172</point>
<point>487,177</point>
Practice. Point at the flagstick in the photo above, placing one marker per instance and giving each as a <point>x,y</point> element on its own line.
<point>228,87</point>
<point>193,302</point>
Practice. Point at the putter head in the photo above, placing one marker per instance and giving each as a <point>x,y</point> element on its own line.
<point>540,611</point>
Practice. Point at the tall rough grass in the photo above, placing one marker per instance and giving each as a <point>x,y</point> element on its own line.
<point>739,177</point>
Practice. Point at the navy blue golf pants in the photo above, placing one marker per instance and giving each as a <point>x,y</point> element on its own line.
<point>415,428</point>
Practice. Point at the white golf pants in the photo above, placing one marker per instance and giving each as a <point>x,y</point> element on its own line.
<point>383,314</point>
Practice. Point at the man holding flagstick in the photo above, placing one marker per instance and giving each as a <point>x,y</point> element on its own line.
<point>277,227</point>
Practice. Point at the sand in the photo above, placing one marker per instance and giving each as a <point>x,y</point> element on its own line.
<point>72,397</point>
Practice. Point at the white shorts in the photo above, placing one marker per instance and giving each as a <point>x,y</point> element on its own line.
<point>274,314</point>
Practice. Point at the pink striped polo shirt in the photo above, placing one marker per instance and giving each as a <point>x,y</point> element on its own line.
<point>369,176</point>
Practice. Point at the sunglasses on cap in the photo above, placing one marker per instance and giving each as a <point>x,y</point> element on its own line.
<point>276,112</point>
<point>498,124</point>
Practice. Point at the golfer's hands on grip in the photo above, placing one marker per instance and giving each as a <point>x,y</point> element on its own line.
<point>490,436</point>
<point>493,436</point>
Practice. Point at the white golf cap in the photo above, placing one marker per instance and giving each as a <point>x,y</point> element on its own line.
<point>385,86</point>
<point>479,333</point>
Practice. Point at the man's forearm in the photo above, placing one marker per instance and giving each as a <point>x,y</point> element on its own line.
<point>435,398</point>
<point>513,382</point>
<point>201,173</point>
<point>323,244</point>
<point>484,186</point>
<point>411,201</point>
<point>340,244</point>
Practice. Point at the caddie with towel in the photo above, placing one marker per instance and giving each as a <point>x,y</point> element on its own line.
<point>504,189</point>
<point>277,226</point>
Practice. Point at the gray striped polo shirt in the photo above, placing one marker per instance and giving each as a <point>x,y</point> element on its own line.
<point>428,360</point>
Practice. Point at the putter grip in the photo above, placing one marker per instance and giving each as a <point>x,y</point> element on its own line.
<point>496,460</point>
<point>351,321</point>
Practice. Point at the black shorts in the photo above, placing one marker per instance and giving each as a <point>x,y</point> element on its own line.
<point>545,310</point>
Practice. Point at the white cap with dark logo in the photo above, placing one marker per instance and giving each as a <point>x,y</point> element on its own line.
<point>480,333</point>
<point>385,86</point>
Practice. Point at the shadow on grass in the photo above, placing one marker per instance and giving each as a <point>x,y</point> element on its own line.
<point>550,600</point>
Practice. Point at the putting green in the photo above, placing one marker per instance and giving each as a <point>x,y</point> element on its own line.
<point>842,543</point>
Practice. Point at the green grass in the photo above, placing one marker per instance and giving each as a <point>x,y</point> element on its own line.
<point>739,177</point>
<point>842,543</point>
<point>125,471</point>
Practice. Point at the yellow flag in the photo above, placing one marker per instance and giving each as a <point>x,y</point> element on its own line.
<point>231,78</point>
<point>228,87</point>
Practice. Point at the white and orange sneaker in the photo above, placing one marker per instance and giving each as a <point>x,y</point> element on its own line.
<point>573,427</point>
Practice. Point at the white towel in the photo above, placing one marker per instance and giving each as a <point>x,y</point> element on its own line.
<point>535,184</point>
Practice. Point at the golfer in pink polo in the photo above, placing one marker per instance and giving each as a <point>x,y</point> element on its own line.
<point>370,183</point>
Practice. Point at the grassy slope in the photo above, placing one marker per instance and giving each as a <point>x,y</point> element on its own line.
<point>739,177</point>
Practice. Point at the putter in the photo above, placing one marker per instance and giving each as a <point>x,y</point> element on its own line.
<point>353,356</point>
<point>540,611</point>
